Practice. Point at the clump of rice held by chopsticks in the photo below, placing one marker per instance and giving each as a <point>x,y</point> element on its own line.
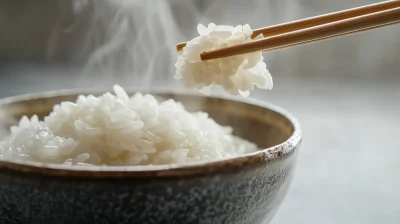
<point>236,74</point>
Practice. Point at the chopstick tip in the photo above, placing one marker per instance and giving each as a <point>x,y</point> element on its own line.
<point>180,46</point>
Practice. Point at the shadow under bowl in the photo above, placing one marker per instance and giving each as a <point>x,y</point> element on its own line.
<point>246,189</point>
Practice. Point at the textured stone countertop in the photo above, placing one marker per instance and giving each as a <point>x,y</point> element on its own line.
<point>347,169</point>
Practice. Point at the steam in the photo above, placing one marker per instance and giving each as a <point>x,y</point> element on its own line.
<point>122,41</point>
<point>137,40</point>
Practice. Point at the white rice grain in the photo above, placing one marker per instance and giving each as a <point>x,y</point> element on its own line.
<point>236,74</point>
<point>119,130</point>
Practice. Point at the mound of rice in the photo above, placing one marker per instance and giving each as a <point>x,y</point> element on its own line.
<point>121,130</point>
<point>236,74</point>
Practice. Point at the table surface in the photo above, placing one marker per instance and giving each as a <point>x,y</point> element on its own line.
<point>347,170</point>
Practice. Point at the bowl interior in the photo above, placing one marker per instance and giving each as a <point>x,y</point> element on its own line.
<point>261,125</point>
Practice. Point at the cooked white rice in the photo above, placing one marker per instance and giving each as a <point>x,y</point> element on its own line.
<point>236,74</point>
<point>121,130</point>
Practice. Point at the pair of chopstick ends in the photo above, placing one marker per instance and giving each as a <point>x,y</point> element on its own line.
<point>313,29</point>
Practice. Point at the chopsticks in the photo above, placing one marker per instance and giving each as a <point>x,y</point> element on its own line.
<point>314,29</point>
<point>343,27</point>
<point>318,20</point>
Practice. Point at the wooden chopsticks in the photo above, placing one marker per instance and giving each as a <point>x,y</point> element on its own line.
<point>343,27</point>
<point>318,20</point>
<point>314,29</point>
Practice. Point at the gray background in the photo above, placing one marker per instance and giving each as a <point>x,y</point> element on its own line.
<point>345,92</point>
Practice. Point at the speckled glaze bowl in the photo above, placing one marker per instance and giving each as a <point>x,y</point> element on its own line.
<point>242,190</point>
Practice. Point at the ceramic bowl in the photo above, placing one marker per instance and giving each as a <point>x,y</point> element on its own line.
<point>241,190</point>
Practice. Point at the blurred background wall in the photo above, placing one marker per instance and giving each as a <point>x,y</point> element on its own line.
<point>134,40</point>
<point>345,91</point>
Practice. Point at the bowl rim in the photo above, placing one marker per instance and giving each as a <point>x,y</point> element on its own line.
<point>172,170</point>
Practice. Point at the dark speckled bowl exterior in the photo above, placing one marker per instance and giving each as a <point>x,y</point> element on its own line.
<point>242,190</point>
